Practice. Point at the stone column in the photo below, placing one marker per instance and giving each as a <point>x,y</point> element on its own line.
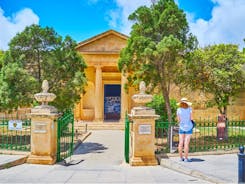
<point>142,131</point>
<point>98,94</point>
<point>77,111</point>
<point>43,129</point>
<point>124,98</point>
<point>81,107</point>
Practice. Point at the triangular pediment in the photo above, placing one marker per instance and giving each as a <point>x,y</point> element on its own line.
<point>109,41</point>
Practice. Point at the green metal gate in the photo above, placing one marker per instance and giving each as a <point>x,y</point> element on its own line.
<point>126,136</point>
<point>65,135</point>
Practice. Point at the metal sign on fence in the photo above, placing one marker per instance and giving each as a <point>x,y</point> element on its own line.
<point>15,125</point>
<point>174,138</point>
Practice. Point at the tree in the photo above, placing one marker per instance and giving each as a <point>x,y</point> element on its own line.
<point>45,55</point>
<point>217,70</point>
<point>158,41</point>
<point>32,47</point>
<point>16,87</point>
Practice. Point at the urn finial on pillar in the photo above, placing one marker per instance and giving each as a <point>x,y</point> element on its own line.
<point>45,86</point>
<point>142,98</point>
<point>142,87</point>
<point>44,98</point>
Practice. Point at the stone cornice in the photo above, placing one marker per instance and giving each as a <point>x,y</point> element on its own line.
<point>100,52</point>
<point>99,36</point>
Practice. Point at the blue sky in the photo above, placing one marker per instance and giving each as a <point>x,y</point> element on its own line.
<point>212,21</point>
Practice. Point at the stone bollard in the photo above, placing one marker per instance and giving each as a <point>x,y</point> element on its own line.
<point>241,165</point>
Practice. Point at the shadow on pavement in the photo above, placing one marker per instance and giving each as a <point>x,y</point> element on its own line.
<point>84,148</point>
<point>69,163</point>
<point>89,147</point>
<point>197,160</point>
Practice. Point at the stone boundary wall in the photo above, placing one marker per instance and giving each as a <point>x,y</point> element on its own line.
<point>22,112</point>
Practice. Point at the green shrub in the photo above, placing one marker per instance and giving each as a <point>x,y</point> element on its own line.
<point>159,105</point>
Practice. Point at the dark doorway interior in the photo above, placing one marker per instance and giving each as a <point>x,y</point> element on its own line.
<point>112,102</point>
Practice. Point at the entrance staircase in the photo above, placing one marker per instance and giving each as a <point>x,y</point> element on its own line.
<point>84,126</point>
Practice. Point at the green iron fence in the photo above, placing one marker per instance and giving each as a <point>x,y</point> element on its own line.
<point>126,137</point>
<point>162,136</point>
<point>15,133</point>
<point>65,135</point>
<point>205,137</point>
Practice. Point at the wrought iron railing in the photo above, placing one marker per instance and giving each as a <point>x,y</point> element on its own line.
<point>15,133</point>
<point>206,136</point>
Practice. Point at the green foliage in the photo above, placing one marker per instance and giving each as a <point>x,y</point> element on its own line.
<point>159,40</point>
<point>159,105</point>
<point>16,88</point>
<point>217,70</point>
<point>45,55</point>
<point>33,46</point>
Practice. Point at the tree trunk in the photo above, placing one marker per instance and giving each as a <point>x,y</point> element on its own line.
<point>39,67</point>
<point>165,94</point>
<point>225,110</point>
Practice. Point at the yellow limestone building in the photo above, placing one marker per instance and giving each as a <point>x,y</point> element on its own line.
<point>105,99</point>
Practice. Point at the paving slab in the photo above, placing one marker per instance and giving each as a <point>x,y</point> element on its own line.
<point>7,161</point>
<point>99,159</point>
<point>214,168</point>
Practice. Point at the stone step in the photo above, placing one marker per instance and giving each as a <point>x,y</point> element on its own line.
<point>86,126</point>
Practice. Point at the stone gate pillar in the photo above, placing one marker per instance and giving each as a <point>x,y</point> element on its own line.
<point>43,129</point>
<point>142,131</point>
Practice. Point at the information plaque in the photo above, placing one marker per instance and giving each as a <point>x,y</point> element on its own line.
<point>40,127</point>
<point>144,129</point>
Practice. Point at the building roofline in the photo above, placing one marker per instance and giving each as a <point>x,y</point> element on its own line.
<point>101,35</point>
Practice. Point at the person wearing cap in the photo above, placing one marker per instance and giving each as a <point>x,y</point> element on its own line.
<point>184,117</point>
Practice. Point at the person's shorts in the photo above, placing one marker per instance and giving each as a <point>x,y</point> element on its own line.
<point>185,132</point>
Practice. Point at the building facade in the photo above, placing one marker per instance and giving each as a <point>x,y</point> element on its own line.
<point>105,98</point>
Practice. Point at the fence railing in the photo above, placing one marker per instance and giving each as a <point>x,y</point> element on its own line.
<point>206,136</point>
<point>65,135</point>
<point>15,134</point>
<point>126,139</point>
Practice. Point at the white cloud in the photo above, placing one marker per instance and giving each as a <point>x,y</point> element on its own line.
<point>225,26</point>
<point>119,18</point>
<point>125,8</point>
<point>113,18</point>
<point>9,26</point>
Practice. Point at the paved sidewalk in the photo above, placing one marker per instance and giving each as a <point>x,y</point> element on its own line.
<point>100,159</point>
<point>213,168</point>
<point>7,161</point>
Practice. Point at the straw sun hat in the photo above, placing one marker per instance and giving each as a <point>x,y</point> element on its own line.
<point>184,100</point>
